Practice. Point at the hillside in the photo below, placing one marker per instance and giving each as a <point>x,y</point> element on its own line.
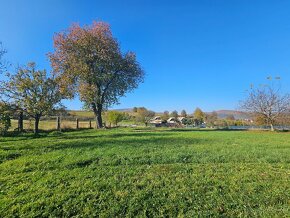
<point>237,114</point>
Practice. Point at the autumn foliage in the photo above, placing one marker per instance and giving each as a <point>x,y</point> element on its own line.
<point>88,61</point>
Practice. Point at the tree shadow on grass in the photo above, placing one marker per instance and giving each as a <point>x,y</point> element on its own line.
<point>15,136</point>
<point>86,139</point>
<point>135,141</point>
<point>80,140</point>
<point>206,130</point>
<point>120,135</point>
<point>29,135</point>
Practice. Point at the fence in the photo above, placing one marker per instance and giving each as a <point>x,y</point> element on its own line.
<point>57,123</point>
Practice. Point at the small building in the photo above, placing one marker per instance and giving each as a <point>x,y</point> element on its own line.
<point>156,120</point>
<point>171,120</point>
<point>175,120</point>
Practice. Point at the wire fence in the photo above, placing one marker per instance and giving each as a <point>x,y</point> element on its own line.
<point>55,124</point>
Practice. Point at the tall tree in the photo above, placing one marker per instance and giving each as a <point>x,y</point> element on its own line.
<point>5,121</point>
<point>165,115</point>
<point>89,60</point>
<point>198,116</point>
<point>183,113</point>
<point>144,115</point>
<point>174,114</point>
<point>134,109</point>
<point>32,91</point>
<point>268,103</point>
<point>211,118</point>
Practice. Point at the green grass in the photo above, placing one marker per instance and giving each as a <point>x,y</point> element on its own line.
<point>146,173</point>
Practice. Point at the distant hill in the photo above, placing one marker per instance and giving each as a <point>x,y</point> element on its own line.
<point>124,109</point>
<point>237,114</point>
<point>221,113</point>
<point>86,113</point>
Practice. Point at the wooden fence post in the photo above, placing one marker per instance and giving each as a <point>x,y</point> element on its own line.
<point>90,124</point>
<point>77,120</point>
<point>58,124</point>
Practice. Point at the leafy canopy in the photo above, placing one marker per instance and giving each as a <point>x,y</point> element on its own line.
<point>114,117</point>
<point>144,115</point>
<point>32,90</point>
<point>5,121</point>
<point>89,60</point>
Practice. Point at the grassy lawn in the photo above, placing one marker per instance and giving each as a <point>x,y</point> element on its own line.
<point>146,172</point>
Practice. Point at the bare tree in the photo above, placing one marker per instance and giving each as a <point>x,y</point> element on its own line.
<point>2,62</point>
<point>267,102</point>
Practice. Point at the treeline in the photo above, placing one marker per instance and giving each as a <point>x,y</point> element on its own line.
<point>197,118</point>
<point>86,62</point>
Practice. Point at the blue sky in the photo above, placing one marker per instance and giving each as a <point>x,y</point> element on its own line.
<point>195,53</point>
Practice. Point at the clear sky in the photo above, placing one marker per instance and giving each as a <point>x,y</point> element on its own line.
<point>195,53</point>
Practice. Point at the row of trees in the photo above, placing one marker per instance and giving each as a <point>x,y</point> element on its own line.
<point>198,117</point>
<point>198,113</point>
<point>144,115</point>
<point>86,62</point>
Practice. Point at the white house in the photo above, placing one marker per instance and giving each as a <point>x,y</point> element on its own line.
<point>156,120</point>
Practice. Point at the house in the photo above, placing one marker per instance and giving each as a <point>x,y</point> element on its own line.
<point>171,122</point>
<point>174,120</point>
<point>156,120</point>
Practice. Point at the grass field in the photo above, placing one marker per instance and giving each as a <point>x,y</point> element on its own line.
<point>146,173</point>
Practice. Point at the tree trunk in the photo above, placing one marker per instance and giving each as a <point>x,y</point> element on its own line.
<point>272,127</point>
<point>58,124</point>
<point>36,123</point>
<point>99,120</point>
<point>78,125</point>
<point>98,114</point>
<point>20,121</point>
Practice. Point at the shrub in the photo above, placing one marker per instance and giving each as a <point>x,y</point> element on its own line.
<point>5,122</point>
<point>114,117</point>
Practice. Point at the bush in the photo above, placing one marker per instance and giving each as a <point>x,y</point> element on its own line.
<point>5,121</point>
<point>114,117</point>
